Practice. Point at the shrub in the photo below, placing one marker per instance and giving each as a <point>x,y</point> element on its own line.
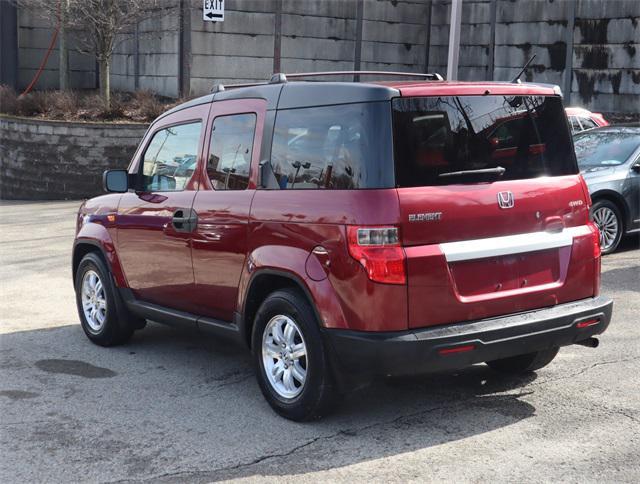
<point>61,104</point>
<point>8,100</point>
<point>32,104</point>
<point>148,105</point>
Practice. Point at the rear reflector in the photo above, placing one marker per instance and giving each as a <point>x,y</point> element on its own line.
<point>378,250</point>
<point>588,322</point>
<point>457,349</point>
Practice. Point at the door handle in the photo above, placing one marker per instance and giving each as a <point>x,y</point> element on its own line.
<point>182,223</point>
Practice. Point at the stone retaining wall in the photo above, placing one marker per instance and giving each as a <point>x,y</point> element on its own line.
<point>57,160</point>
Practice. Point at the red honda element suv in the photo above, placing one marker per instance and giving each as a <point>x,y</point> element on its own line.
<point>348,230</point>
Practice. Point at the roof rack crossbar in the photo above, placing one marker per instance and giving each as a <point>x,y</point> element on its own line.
<point>280,77</point>
<point>221,87</point>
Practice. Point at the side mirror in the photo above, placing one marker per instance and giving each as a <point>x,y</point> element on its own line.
<point>636,166</point>
<point>116,181</point>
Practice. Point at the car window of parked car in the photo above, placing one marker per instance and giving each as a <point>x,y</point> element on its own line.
<point>333,147</point>
<point>604,148</point>
<point>575,124</point>
<point>436,137</point>
<point>587,123</point>
<point>229,163</point>
<point>170,158</point>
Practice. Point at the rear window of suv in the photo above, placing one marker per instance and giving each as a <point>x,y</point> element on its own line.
<point>436,138</point>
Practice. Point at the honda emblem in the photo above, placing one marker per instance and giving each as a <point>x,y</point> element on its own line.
<point>506,200</point>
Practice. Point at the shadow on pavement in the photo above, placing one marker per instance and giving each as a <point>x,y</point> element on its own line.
<point>172,405</point>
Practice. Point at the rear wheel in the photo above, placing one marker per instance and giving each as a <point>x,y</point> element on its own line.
<point>607,217</point>
<point>524,363</point>
<point>291,364</point>
<point>97,305</point>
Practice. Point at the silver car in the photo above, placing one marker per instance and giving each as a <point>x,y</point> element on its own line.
<point>609,160</point>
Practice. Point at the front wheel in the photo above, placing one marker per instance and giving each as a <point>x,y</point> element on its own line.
<point>97,305</point>
<point>524,363</point>
<point>607,217</point>
<point>291,363</point>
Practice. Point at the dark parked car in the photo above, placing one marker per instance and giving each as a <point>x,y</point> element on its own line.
<point>609,159</point>
<point>346,231</point>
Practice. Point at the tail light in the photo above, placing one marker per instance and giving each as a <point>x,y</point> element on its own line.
<point>595,235</point>
<point>595,238</point>
<point>378,250</point>
<point>585,190</point>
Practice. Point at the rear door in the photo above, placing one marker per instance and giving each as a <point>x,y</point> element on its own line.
<point>222,205</point>
<point>493,211</point>
<point>155,221</point>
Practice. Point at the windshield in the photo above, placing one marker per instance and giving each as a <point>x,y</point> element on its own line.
<point>467,139</point>
<point>604,148</point>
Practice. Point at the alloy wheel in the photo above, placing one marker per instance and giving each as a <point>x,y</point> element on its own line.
<point>94,301</point>
<point>284,356</point>
<point>607,223</point>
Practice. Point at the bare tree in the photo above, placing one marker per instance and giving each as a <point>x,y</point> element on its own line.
<point>97,25</point>
<point>100,24</point>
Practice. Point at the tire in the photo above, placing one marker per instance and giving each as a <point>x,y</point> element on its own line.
<point>527,363</point>
<point>606,216</point>
<point>294,398</point>
<point>109,325</point>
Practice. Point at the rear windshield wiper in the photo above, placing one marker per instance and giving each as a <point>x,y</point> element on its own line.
<point>498,171</point>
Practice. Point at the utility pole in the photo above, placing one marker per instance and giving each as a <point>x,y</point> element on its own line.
<point>454,40</point>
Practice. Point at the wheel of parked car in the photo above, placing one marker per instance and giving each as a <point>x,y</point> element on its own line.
<point>607,217</point>
<point>524,363</point>
<point>97,306</point>
<point>291,364</point>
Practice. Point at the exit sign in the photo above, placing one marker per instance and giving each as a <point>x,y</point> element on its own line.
<point>213,10</point>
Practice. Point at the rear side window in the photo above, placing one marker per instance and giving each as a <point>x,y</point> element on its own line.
<point>575,124</point>
<point>333,147</point>
<point>436,138</point>
<point>587,123</point>
<point>230,152</point>
<point>171,158</point>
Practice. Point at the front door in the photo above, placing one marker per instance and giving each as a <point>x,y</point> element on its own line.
<point>155,221</point>
<point>223,203</point>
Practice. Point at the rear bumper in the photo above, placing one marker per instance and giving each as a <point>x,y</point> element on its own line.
<point>365,355</point>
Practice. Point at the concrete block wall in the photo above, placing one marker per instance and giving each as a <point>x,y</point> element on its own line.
<point>309,36</point>
<point>240,49</point>
<point>318,36</point>
<point>54,160</point>
<point>394,35</point>
<point>590,48</point>
<point>475,39</point>
<point>34,36</point>
<point>606,55</point>
<point>153,54</point>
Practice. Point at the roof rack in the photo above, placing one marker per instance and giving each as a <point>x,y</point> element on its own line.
<point>223,87</point>
<point>281,78</point>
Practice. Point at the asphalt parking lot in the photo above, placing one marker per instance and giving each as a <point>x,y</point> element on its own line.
<point>176,407</point>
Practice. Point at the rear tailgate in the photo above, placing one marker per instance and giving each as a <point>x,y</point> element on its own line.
<point>494,215</point>
<point>479,260</point>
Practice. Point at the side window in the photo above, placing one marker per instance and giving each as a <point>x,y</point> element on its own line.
<point>587,123</point>
<point>575,124</point>
<point>230,152</point>
<point>333,147</point>
<point>171,158</point>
